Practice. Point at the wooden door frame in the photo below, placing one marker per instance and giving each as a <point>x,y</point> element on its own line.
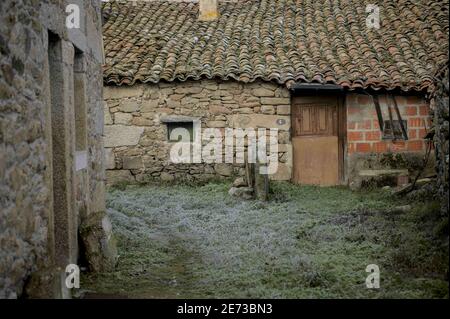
<point>341,130</point>
<point>342,139</point>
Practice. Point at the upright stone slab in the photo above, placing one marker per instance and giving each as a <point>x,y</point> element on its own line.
<point>99,246</point>
<point>261,184</point>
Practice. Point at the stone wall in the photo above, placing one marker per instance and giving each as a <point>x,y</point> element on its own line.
<point>441,123</point>
<point>28,237</point>
<point>366,147</point>
<point>136,139</point>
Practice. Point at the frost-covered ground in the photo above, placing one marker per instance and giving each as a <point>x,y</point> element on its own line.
<point>308,242</point>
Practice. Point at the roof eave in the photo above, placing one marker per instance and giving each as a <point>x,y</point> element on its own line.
<point>316,88</point>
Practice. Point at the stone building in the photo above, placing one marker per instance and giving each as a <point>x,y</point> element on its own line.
<point>347,96</point>
<point>51,148</point>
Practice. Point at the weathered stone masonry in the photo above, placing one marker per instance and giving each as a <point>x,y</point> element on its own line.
<point>45,70</point>
<point>137,147</point>
<point>136,141</point>
<point>440,101</point>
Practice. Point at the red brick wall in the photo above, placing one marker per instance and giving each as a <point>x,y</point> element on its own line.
<point>363,132</point>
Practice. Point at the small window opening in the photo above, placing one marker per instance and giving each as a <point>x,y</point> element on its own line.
<point>390,128</point>
<point>172,126</point>
<point>393,130</point>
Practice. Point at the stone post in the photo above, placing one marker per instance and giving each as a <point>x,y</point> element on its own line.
<point>261,183</point>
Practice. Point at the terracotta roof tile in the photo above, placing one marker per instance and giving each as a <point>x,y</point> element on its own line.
<point>286,41</point>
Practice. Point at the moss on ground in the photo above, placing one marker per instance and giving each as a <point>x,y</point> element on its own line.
<point>308,242</point>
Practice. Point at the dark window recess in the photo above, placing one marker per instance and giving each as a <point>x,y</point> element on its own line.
<point>391,129</point>
<point>396,131</point>
<point>174,125</point>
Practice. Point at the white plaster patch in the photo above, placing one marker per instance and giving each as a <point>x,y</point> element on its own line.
<point>80,160</point>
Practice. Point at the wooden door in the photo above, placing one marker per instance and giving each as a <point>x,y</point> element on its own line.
<point>315,140</point>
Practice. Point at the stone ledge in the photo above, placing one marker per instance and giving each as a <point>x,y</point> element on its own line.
<point>178,118</point>
<point>383,172</point>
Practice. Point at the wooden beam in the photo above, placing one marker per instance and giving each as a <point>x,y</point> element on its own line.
<point>405,134</point>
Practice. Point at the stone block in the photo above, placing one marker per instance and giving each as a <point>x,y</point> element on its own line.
<point>249,104</point>
<point>100,249</point>
<point>283,137</point>
<point>149,106</point>
<point>282,92</point>
<point>216,124</point>
<point>283,109</point>
<point>166,177</point>
<point>275,101</point>
<point>262,92</point>
<point>176,97</point>
<point>107,115</point>
<point>134,162</point>
<point>122,118</point>
<point>191,90</point>
<point>283,173</point>
<point>216,109</point>
<point>141,121</point>
<point>118,176</point>
<point>267,109</point>
<point>97,195</point>
<point>240,182</point>
<point>260,121</point>
<point>129,106</point>
<point>284,148</point>
<point>110,161</point>
<point>210,85</point>
<point>121,135</point>
<point>224,169</point>
<point>171,104</point>
<point>245,110</point>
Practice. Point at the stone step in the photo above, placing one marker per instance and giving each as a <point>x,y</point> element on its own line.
<point>383,172</point>
<point>384,177</point>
